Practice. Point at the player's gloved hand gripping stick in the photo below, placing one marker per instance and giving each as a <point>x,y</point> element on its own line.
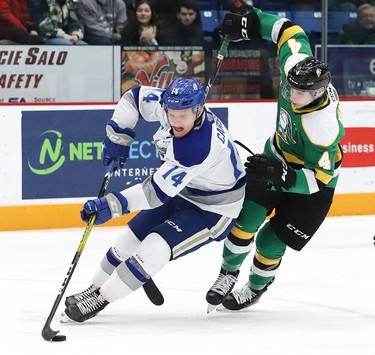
<point>47,333</point>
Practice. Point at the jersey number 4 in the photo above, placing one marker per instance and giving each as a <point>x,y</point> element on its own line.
<point>176,178</point>
<point>324,161</point>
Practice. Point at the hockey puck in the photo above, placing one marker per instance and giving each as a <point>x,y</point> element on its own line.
<point>59,338</point>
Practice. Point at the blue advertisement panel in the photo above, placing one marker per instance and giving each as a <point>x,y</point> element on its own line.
<point>352,69</point>
<point>62,158</point>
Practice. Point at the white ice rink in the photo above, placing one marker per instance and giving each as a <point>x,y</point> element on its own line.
<point>322,301</point>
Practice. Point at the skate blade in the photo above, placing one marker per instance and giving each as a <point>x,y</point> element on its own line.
<point>221,308</point>
<point>210,307</point>
<point>65,319</point>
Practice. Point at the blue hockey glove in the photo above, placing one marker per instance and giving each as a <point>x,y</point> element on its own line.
<point>272,171</point>
<point>111,206</point>
<point>237,27</point>
<point>117,144</point>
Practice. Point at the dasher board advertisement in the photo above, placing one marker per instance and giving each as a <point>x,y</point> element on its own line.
<point>52,74</point>
<point>159,67</point>
<point>62,153</point>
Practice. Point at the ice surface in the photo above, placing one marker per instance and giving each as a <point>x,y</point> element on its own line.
<point>322,301</point>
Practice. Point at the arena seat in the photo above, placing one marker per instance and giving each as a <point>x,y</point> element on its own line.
<point>210,20</point>
<point>287,14</point>
<point>308,20</point>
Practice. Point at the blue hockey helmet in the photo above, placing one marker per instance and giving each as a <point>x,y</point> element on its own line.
<point>183,93</point>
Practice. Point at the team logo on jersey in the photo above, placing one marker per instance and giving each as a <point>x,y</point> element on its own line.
<point>162,145</point>
<point>285,127</point>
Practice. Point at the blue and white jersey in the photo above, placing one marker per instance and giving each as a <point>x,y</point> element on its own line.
<point>202,167</point>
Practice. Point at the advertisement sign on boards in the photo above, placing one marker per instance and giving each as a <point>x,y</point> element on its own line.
<point>51,74</point>
<point>62,153</point>
<point>159,67</point>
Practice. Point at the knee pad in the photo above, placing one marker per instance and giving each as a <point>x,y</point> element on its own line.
<point>125,244</point>
<point>153,253</point>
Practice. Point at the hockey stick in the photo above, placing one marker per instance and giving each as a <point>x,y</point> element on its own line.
<point>47,333</point>
<point>244,147</point>
<point>152,291</point>
<point>220,57</point>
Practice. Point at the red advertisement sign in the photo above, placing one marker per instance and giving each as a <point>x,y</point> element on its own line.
<point>359,147</point>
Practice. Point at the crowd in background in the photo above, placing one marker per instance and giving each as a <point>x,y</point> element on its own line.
<point>149,22</point>
<point>101,22</point>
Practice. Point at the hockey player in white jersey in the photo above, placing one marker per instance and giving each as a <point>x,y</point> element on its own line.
<point>191,200</point>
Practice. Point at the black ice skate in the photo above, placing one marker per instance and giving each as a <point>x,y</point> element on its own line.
<point>243,297</point>
<point>77,297</point>
<point>87,308</point>
<point>221,288</point>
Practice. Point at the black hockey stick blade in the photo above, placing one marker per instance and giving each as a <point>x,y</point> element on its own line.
<point>47,332</point>
<point>51,335</point>
<point>153,293</point>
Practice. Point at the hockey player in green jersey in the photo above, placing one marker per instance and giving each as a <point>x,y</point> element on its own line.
<point>297,173</point>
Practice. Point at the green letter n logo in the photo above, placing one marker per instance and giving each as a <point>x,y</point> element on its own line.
<point>54,155</point>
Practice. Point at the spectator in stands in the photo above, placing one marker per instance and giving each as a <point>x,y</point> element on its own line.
<point>187,29</point>
<point>103,20</point>
<point>362,30</point>
<point>57,21</point>
<point>141,29</point>
<point>16,25</point>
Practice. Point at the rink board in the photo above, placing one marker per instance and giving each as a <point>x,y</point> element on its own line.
<point>67,215</point>
<point>32,199</point>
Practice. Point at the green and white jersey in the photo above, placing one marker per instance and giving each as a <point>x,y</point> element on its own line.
<point>307,138</point>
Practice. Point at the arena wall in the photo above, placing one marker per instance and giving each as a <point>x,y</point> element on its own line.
<point>249,122</point>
